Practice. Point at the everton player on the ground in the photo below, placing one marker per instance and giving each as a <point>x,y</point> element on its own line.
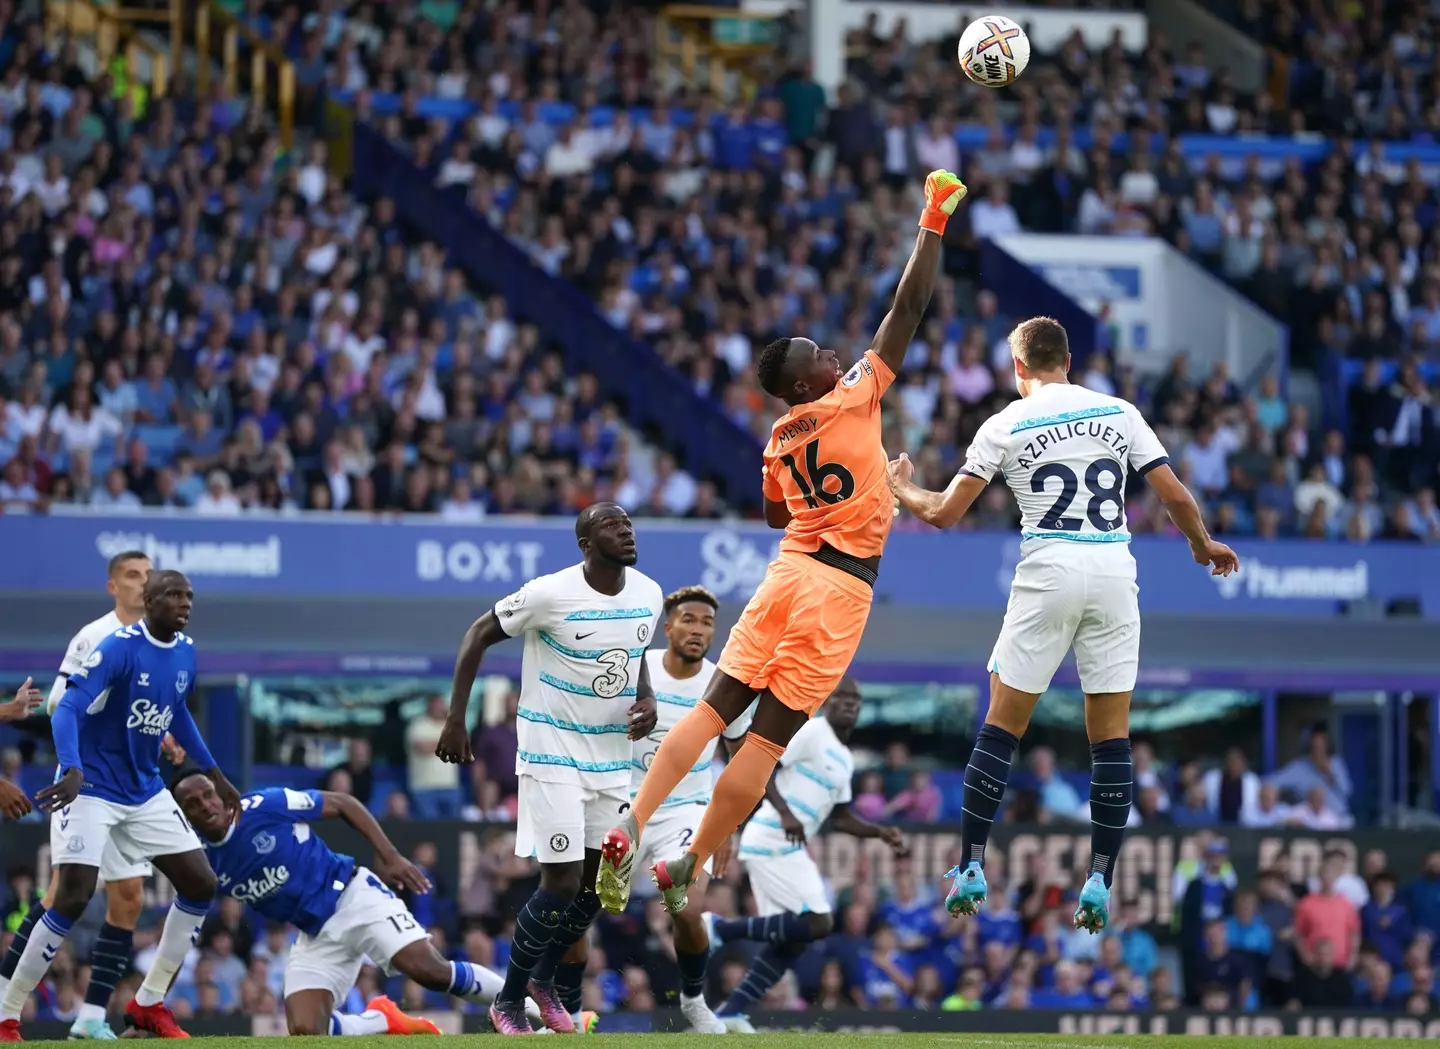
<point>270,857</point>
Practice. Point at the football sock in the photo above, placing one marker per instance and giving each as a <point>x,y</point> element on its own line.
<point>572,928</point>
<point>371,1021</point>
<point>45,941</point>
<point>765,972</point>
<point>692,972</point>
<point>1112,788</point>
<point>570,985</point>
<point>985,779</point>
<point>534,928</point>
<point>772,928</point>
<point>478,984</point>
<point>677,755</point>
<point>182,929</point>
<point>737,792</point>
<point>108,963</point>
<point>17,946</point>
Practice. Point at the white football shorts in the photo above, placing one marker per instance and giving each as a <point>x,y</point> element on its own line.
<point>1069,594</point>
<point>369,921</point>
<point>557,822</point>
<point>119,839</point>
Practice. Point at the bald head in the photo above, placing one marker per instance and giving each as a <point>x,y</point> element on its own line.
<point>593,514</point>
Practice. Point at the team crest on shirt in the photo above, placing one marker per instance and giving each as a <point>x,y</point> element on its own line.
<point>643,631</point>
<point>182,682</point>
<point>559,843</point>
<point>264,843</point>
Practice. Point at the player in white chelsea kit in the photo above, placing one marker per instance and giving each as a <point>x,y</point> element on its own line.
<point>680,672</point>
<point>585,694</point>
<point>124,879</point>
<point>1066,453</point>
<point>810,787</point>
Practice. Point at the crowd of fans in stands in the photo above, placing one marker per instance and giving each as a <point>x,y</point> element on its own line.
<point>192,320</point>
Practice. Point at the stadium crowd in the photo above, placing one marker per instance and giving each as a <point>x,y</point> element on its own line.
<point>1345,937</point>
<point>193,320</point>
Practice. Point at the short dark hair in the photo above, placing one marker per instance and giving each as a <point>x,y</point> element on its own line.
<point>123,558</point>
<point>770,368</point>
<point>592,513</point>
<point>686,594</point>
<point>1040,344</point>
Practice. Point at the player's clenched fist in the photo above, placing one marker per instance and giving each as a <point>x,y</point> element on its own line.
<point>943,193</point>
<point>13,802</point>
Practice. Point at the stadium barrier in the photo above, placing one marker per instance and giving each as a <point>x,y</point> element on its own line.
<point>915,1021</point>
<point>1146,871</point>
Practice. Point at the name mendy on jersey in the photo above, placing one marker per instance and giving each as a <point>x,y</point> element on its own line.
<point>1053,435</point>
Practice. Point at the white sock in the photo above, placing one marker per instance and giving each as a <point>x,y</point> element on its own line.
<point>45,941</point>
<point>371,1021</point>
<point>483,985</point>
<point>91,1012</point>
<point>182,929</point>
<point>4,986</point>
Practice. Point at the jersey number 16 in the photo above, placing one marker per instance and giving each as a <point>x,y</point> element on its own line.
<point>812,490</point>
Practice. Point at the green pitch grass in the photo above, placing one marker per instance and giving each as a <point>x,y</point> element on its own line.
<point>807,1040</point>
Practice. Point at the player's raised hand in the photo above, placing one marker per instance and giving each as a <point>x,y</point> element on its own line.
<point>891,836</point>
<point>13,802</point>
<point>1221,559</point>
<point>454,745</point>
<point>943,193</point>
<point>643,716</point>
<point>62,792</point>
<point>899,471</point>
<point>27,700</point>
<point>399,873</point>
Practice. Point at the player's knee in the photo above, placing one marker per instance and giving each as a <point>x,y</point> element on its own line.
<point>198,884</point>
<point>74,888</point>
<point>306,1026</point>
<point>124,901</point>
<point>821,925</point>
<point>561,880</point>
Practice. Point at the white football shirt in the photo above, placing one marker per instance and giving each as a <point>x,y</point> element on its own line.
<point>1065,452</point>
<point>81,645</point>
<point>814,776</point>
<point>674,698</point>
<point>579,673</point>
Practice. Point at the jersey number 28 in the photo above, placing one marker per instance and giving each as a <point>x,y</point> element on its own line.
<point>1105,480</point>
<point>812,489</point>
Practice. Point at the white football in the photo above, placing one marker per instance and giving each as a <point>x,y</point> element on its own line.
<point>994,51</point>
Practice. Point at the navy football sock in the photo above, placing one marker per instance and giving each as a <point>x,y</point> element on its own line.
<point>1112,788</point>
<point>985,778</point>
<point>534,929</point>
<point>22,937</point>
<point>772,928</point>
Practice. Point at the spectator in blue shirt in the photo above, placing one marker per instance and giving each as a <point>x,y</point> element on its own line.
<point>910,912</point>
<point>1069,991</point>
<point>1384,922</point>
<point>885,974</point>
<point>734,141</point>
<point>1056,795</point>
<point>1423,894</point>
<point>1319,767</point>
<point>1137,946</point>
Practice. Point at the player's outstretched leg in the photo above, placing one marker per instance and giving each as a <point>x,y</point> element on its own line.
<point>986,776</point>
<point>421,962</point>
<point>1112,789</point>
<point>725,700</point>
<point>786,936</point>
<point>737,792</point>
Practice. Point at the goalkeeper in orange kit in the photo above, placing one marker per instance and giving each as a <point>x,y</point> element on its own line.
<point>824,483</point>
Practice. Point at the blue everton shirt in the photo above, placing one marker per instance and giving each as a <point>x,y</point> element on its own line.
<point>122,700</point>
<point>272,860</point>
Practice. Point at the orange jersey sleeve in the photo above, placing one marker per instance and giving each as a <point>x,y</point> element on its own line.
<point>826,461</point>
